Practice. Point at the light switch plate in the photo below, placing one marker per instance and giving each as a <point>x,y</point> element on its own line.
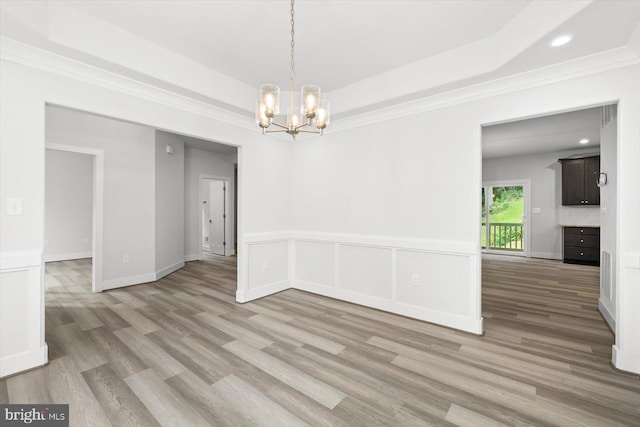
<point>536,210</point>
<point>14,206</point>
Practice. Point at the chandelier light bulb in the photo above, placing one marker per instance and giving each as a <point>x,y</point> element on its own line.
<point>312,110</point>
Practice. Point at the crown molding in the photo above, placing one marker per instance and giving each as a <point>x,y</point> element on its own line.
<point>34,57</point>
<point>41,59</point>
<point>584,66</point>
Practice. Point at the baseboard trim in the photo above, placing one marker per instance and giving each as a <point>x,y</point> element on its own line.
<point>625,363</point>
<point>611,321</point>
<point>168,270</point>
<point>121,282</point>
<point>474,326</point>
<point>67,257</point>
<point>262,291</point>
<point>546,255</point>
<point>192,257</point>
<point>20,362</point>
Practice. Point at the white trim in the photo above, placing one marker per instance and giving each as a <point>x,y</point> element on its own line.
<point>262,291</point>
<point>569,70</point>
<point>271,236</point>
<point>472,323</point>
<point>98,208</point>
<point>426,245</point>
<point>625,362</point>
<point>20,260</point>
<point>41,59</point>
<point>168,270</point>
<point>67,257</point>
<point>463,323</point>
<point>192,257</point>
<point>602,307</point>
<point>128,281</point>
<point>29,359</point>
<point>546,255</point>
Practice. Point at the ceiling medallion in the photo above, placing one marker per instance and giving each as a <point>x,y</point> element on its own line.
<point>313,111</point>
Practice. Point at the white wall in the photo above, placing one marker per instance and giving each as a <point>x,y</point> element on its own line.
<point>413,181</point>
<point>199,162</point>
<point>545,173</point>
<point>609,214</point>
<point>129,189</point>
<point>26,86</point>
<point>169,204</point>
<point>68,205</point>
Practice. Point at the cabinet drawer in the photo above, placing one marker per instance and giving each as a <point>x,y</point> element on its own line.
<point>582,240</point>
<point>582,254</point>
<point>582,230</point>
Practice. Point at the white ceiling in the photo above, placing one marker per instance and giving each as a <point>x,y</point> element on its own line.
<point>337,42</point>
<point>368,54</point>
<point>558,132</point>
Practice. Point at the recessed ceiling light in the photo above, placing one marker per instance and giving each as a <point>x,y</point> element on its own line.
<point>584,141</point>
<point>561,40</point>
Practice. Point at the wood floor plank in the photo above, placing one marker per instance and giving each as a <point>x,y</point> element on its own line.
<point>297,334</point>
<point>163,402</point>
<point>181,351</point>
<point>260,410</point>
<point>304,383</point>
<point>149,352</point>
<point>234,330</point>
<point>121,406</point>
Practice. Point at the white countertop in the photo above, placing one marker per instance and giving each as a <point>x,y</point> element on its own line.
<point>580,225</point>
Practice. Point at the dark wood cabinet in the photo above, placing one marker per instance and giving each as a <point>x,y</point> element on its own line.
<point>581,245</point>
<point>579,177</point>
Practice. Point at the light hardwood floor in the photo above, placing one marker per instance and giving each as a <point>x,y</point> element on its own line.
<point>181,352</point>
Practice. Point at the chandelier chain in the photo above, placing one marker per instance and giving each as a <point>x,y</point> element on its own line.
<point>293,33</point>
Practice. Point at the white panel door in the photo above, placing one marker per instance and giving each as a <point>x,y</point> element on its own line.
<point>217,217</point>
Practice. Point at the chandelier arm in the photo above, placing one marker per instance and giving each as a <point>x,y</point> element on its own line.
<point>279,125</point>
<point>317,132</point>
<point>274,131</point>
<point>302,126</point>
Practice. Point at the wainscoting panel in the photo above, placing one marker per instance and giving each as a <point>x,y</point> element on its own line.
<point>373,271</point>
<point>365,270</point>
<point>22,345</point>
<point>315,263</point>
<point>268,263</point>
<point>433,281</point>
<point>379,272</point>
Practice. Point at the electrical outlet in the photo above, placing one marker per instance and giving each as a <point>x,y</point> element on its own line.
<point>415,279</point>
<point>265,265</point>
<point>125,259</point>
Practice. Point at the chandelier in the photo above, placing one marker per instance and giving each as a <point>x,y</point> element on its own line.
<point>312,111</point>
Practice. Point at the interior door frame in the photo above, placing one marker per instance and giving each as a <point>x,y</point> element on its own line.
<point>98,207</point>
<point>526,185</point>
<point>228,226</point>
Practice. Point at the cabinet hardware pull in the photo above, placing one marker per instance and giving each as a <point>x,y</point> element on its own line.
<point>581,253</point>
<point>581,240</point>
<point>586,201</point>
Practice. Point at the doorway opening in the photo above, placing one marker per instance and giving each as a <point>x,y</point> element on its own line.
<point>74,209</point>
<point>504,218</point>
<point>544,289</point>
<point>215,210</point>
